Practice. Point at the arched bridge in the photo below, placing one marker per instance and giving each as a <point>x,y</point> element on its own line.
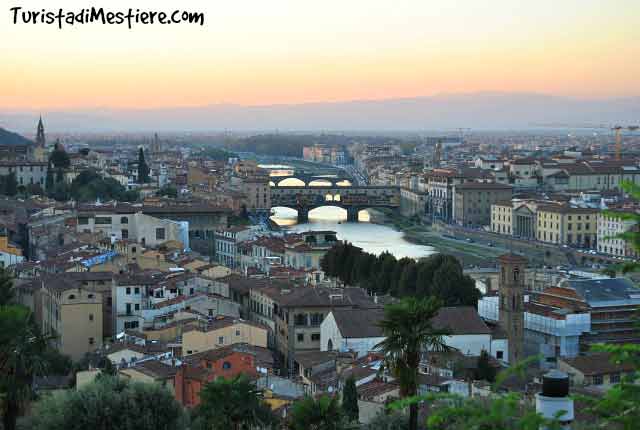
<point>310,179</point>
<point>351,198</point>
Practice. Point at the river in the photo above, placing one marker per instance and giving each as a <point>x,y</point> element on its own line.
<point>372,238</point>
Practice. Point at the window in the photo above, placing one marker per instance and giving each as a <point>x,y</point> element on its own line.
<point>614,378</point>
<point>499,355</point>
<point>128,308</point>
<point>103,220</point>
<point>124,220</point>
<point>210,312</point>
<point>597,379</point>
<point>128,290</point>
<point>137,306</point>
<point>72,296</point>
<point>83,220</point>
<point>221,340</point>
<point>226,365</point>
<point>136,290</point>
<point>91,341</point>
<point>125,233</point>
<point>90,317</point>
<point>237,332</point>
<point>300,337</point>
<point>160,233</point>
<point>315,337</point>
<point>90,296</point>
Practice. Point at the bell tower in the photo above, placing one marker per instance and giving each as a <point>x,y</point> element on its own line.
<point>511,289</point>
<point>40,139</point>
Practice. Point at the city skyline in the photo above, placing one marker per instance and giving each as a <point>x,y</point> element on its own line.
<point>281,52</point>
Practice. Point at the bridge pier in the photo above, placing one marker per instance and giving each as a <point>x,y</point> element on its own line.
<point>303,215</point>
<point>352,214</point>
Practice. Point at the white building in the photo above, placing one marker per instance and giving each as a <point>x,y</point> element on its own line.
<point>351,330</point>
<point>608,228</point>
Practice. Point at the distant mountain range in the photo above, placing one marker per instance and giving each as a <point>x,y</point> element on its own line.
<point>9,138</point>
<point>480,111</point>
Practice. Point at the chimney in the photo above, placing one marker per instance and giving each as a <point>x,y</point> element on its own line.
<point>555,398</point>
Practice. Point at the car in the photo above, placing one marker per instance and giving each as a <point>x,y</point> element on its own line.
<point>469,240</point>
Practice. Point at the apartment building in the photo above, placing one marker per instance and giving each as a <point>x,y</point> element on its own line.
<point>610,227</point>
<point>27,172</point>
<point>226,243</point>
<point>73,315</point>
<point>472,202</point>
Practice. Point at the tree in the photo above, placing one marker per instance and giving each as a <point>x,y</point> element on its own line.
<point>11,185</point>
<point>632,235</point>
<point>48,183</point>
<point>59,158</point>
<point>109,403</point>
<point>408,332</point>
<point>388,421</point>
<point>485,371</point>
<point>7,292</point>
<point>321,414</point>
<point>143,169</point>
<point>350,399</point>
<point>232,404</point>
<point>169,191</point>
<point>21,351</point>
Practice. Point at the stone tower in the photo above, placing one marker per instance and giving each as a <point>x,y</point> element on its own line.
<point>511,289</point>
<point>40,140</point>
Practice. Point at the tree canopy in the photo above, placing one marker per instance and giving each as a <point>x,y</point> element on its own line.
<point>438,275</point>
<point>109,403</point>
<point>323,413</point>
<point>143,168</point>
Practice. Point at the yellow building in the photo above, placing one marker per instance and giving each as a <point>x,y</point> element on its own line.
<point>222,332</point>
<point>73,314</point>
<point>9,253</point>
<point>565,225</point>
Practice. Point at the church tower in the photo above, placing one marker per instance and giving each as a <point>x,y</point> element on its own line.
<point>40,140</point>
<point>511,289</point>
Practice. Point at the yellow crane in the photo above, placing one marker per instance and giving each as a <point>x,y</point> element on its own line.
<point>617,129</point>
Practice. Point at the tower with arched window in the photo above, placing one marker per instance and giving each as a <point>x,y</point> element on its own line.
<point>511,289</point>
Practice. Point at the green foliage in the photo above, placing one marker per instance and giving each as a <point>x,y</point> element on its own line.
<point>21,351</point>
<point>438,275</point>
<point>350,399</point>
<point>498,412</point>
<point>632,236</point>
<point>232,404</point>
<point>143,168</point>
<point>109,403</point>
<point>59,158</point>
<point>89,186</point>
<point>48,183</point>
<point>323,413</point>
<point>388,421</point>
<point>168,191</point>
<point>619,406</point>
<point>408,330</point>
<point>7,292</point>
<point>219,154</point>
<point>9,184</point>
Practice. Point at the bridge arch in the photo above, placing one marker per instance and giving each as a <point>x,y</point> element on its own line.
<point>291,182</point>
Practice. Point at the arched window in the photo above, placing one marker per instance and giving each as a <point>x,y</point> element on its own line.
<point>516,274</point>
<point>330,345</point>
<point>226,365</point>
<point>72,296</point>
<point>124,220</point>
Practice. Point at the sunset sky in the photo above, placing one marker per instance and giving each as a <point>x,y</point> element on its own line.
<point>279,51</point>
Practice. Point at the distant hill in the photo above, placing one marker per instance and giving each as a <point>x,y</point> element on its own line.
<point>446,111</point>
<point>9,138</point>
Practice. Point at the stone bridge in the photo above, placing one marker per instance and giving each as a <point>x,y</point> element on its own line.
<point>351,198</point>
<point>309,178</point>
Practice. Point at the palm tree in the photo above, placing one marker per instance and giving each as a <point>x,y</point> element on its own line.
<point>21,358</point>
<point>324,413</point>
<point>408,331</point>
<point>233,404</point>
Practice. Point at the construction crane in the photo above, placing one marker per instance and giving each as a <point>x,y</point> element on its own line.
<point>617,129</point>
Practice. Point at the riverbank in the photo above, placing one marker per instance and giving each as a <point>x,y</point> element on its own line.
<point>470,254</point>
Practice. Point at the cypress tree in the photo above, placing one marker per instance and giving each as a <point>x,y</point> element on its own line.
<point>350,399</point>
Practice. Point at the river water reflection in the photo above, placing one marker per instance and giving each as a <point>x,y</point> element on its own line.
<point>373,238</point>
